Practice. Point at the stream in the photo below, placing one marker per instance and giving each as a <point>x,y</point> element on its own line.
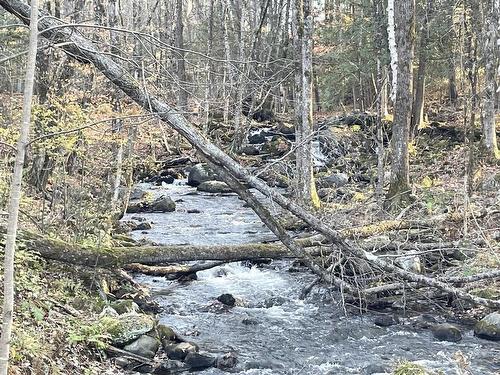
<point>271,330</point>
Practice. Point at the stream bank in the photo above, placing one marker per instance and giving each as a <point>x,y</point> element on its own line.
<point>270,329</point>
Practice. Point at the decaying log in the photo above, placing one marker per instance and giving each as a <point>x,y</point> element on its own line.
<point>82,49</point>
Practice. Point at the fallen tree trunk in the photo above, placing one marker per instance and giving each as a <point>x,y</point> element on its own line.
<point>82,49</point>
<point>173,271</point>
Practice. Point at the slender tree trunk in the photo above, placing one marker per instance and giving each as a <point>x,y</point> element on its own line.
<point>417,117</point>
<point>239,128</point>
<point>181,62</point>
<point>491,60</point>
<point>391,32</point>
<point>303,32</point>
<point>15,195</point>
<point>404,17</point>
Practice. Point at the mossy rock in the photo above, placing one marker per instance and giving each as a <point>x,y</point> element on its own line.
<point>165,333</point>
<point>127,327</point>
<point>123,306</point>
<point>410,368</point>
<point>489,327</point>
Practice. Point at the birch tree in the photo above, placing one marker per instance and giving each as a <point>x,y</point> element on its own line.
<point>404,24</point>
<point>15,195</point>
<point>392,47</point>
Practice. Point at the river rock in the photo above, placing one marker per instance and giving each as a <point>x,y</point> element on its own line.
<point>263,364</point>
<point>163,204</point>
<point>489,327</point>
<point>164,179</point>
<point>179,351</point>
<point>145,346</point>
<point>446,332</point>
<point>165,333</point>
<point>199,361</point>
<point>142,226</point>
<point>227,299</point>
<point>200,173</point>
<point>375,369</point>
<point>123,306</point>
<point>137,194</point>
<point>126,328</point>
<point>227,361</point>
<point>214,187</point>
<point>278,146</point>
<point>121,362</point>
<point>334,180</point>
<point>170,367</point>
<point>386,320</point>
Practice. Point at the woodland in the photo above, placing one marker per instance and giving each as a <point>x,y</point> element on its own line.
<point>344,150</point>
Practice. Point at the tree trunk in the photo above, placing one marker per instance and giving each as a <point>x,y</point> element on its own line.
<point>391,32</point>
<point>404,17</point>
<point>181,62</point>
<point>491,60</point>
<point>15,195</point>
<point>303,32</point>
<point>417,117</point>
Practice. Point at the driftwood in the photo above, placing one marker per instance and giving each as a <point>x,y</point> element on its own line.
<point>82,49</point>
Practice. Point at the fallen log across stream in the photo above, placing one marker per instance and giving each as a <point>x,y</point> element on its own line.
<point>84,50</point>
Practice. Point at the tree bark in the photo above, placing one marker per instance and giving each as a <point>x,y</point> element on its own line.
<point>399,189</point>
<point>491,60</point>
<point>15,195</point>
<point>181,62</point>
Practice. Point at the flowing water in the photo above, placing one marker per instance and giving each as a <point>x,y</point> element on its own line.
<point>271,330</point>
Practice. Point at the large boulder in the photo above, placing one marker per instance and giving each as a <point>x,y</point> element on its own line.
<point>163,204</point>
<point>200,173</point>
<point>145,346</point>
<point>214,187</point>
<point>489,327</point>
<point>126,328</point>
<point>446,332</point>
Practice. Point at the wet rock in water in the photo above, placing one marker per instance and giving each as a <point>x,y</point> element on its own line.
<point>179,351</point>
<point>424,321</point>
<point>214,187</point>
<point>273,301</point>
<point>249,150</point>
<point>163,204</point>
<point>227,361</point>
<point>126,328</point>
<point>164,332</point>
<point>123,306</point>
<point>200,173</point>
<point>386,320</point>
<point>193,211</point>
<point>138,218</point>
<point>199,361</point>
<point>334,180</point>
<point>375,369</point>
<point>142,226</point>
<point>489,327</point>
<point>164,179</point>
<point>446,332</point>
<point>145,346</point>
<point>227,299</point>
<point>250,322</point>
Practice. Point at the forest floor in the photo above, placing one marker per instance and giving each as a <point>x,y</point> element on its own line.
<point>55,306</point>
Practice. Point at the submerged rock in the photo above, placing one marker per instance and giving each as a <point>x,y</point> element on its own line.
<point>145,346</point>
<point>489,327</point>
<point>142,226</point>
<point>199,361</point>
<point>446,332</point>
<point>386,320</point>
<point>227,299</point>
<point>214,187</point>
<point>200,173</point>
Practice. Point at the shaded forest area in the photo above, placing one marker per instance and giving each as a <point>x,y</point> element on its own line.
<point>371,127</point>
